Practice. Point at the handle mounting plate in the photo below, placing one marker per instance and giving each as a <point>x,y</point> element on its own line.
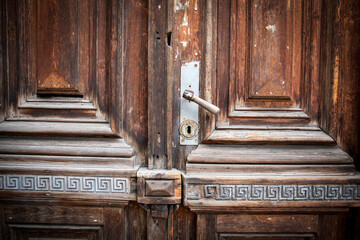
<point>189,111</point>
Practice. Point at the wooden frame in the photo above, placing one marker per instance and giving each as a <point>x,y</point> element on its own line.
<point>48,84</point>
<point>63,114</point>
<point>222,83</point>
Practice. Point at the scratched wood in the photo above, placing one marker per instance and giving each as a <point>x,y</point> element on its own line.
<point>76,75</point>
<point>185,47</point>
<point>57,60</point>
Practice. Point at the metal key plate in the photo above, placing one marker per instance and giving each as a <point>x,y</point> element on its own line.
<point>189,111</point>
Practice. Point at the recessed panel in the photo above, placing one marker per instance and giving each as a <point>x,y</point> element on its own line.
<point>58,49</point>
<point>265,53</point>
<point>270,49</point>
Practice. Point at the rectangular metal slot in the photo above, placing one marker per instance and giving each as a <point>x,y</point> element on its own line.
<point>189,111</point>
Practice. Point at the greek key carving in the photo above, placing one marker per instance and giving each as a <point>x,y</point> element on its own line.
<point>281,192</point>
<point>37,183</point>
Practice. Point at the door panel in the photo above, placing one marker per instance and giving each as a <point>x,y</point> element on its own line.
<point>59,222</point>
<point>267,43</point>
<point>262,62</point>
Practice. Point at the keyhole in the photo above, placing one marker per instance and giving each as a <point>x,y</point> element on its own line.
<point>188,129</point>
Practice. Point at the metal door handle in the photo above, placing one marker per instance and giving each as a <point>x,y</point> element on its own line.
<point>189,95</point>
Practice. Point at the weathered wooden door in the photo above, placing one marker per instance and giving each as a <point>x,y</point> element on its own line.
<point>97,141</point>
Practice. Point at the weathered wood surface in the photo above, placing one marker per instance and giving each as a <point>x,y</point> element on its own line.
<point>157,85</point>
<point>95,71</point>
<point>297,226</point>
<point>269,137</point>
<point>158,186</point>
<point>90,147</point>
<point>268,169</point>
<point>267,223</point>
<point>257,154</point>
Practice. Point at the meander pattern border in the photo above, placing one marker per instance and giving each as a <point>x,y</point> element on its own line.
<point>67,184</point>
<point>331,192</point>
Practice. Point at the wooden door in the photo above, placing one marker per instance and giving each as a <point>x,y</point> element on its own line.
<point>268,166</point>
<point>70,70</point>
<point>90,142</point>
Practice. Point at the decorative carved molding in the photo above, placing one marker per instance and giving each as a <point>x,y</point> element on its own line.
<point>275,192</point>
<point>67,184</point>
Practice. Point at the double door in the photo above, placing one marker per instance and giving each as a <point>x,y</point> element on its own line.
<point>98,142</point>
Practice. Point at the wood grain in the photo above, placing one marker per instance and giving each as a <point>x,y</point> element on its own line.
<point>267,223</point>
<point>269,137</point>
<point>58,215</point>
<point>266,154</point>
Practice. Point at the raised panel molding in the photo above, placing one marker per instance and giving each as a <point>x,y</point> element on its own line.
<point>63,62</point>
<point>268,143</point>
<point>62,40</point>
<point>63,111</point>
<point>267,50</point>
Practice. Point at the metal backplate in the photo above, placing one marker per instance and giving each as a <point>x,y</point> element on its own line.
<point>189,111</point>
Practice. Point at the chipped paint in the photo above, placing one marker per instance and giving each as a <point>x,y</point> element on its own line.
<point>184,27</point>
<point>185,20</point>
<point>271,28</point>
<point>195,8</point>
<point>177,53</point>
<point>180,6</point>
<point>184,44</point>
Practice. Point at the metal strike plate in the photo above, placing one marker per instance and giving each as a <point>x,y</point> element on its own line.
<point>189,111</point>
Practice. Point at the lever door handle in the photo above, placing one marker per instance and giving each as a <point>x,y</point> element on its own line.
<point>189,95</point>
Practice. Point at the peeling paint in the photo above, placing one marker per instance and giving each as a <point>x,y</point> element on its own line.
<point>195,8</point>
<point>180,6</point>
<point>177,52</point>
<point>271,28</point>
<point>184,44</point>
<point>185,21</point>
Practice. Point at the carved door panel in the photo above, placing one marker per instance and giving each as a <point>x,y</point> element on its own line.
<point>263,65</point>
<point>66,171</point>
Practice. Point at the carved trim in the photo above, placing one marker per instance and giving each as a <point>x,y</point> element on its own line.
<point>275,192</point>
<point>67,184</point>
